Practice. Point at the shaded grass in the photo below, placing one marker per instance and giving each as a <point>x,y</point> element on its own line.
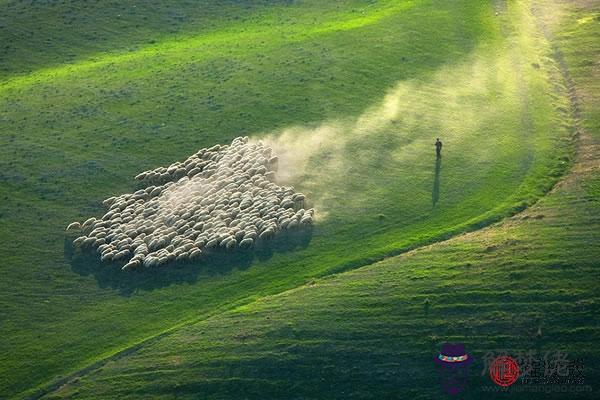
<point>368,333</point>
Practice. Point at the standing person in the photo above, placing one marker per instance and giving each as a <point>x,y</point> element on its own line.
<point>438,147</point>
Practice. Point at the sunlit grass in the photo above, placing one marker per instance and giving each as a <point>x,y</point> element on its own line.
<point>228,41</point>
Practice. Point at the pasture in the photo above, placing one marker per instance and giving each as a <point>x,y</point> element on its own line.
<point>351,94</point>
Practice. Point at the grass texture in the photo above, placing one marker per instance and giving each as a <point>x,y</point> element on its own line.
<point>89,96</point>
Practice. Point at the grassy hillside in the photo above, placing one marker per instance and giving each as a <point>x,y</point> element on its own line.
<point>528,283</point>
<point>370,334</point>
<point>38,35</point>
<point>378,80</point>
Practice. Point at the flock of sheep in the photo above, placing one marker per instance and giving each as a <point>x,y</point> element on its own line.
<point>221,197</point>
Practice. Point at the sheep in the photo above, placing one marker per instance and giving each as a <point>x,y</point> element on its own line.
<point>273,163</point>
<point>121,254</point>
<point>306,220</point>
<point>293,224</point>
<point>231,243</point>
<point>251,234</point>
<point>270,176</point>
<point>149,261</point>
<point>287,203</point>
<point>162,260</point>
<point>131,265</point>
<point>88,223</point>
<point>239,235</point>
<point>246,243</point>
<point>224,196</point>
<point>88,241</point>
<point>73,226</point>
<point>142,250</point>
<point>266,234</point>
<point>298,197</point>
<point>156,191</point>
<point>284,223</point>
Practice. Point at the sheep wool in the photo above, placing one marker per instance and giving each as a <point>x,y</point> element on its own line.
<point>219,199</point>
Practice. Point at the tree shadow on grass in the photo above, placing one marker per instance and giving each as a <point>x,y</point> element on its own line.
<point>217,262</point>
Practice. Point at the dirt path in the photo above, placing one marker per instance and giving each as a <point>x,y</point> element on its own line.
<point>587,149</point>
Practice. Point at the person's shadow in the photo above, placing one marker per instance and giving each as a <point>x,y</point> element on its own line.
<point>435,195</point>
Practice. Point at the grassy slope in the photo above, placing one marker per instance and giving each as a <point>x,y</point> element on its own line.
<point>74,134</point>
<point>38,35</point>
<point>369,334</point>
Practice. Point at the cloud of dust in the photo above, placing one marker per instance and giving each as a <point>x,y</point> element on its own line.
<point>459,102</point>
<point>448,102</point>
<point>296,146</point>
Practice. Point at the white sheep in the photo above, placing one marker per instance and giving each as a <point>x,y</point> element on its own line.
<point>224,196</point>
<point>73,226</point>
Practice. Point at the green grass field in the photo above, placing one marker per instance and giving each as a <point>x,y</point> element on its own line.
<point>357,91</point>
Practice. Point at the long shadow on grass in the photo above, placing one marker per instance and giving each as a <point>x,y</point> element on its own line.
<point>219,262</point>
<point>435,194</point>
